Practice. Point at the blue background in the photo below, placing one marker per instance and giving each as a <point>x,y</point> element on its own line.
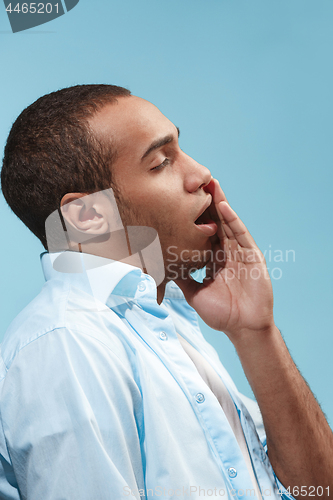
<point>249,83</point>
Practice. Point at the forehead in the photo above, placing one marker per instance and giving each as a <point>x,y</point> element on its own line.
<point>131,124</point>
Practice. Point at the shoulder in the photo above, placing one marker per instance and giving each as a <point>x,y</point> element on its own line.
<point>66,373</point>
<point>66,321</point>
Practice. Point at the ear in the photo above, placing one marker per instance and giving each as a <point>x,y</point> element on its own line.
<point>86,213</point>
<point>89,215</point>
<point>90,218</point>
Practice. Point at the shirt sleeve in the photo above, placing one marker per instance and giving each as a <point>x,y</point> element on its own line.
<point>71,416</point>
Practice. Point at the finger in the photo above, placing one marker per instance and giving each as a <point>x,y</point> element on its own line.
<point>234,227</point>
<point>218,196</point>
<point>215,190</point>
<point>226,229</point>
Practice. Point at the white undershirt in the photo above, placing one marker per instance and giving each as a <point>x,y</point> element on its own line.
<point>218,388</point>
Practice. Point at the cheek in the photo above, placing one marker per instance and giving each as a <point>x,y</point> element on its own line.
<point>155,204</point>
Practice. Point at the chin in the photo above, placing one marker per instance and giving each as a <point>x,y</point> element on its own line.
<point>179,263</point>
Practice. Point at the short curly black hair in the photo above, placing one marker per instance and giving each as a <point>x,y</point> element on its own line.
<point>51,151</point>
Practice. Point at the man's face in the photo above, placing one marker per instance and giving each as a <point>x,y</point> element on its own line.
<point>156,183</point>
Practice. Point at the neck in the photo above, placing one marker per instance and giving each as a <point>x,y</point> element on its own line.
<point>160,292</point>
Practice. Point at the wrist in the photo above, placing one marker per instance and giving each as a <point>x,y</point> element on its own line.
<point>253,339</point>
<point>265,360</point>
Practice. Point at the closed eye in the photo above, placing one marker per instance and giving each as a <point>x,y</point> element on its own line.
<point>163,164</point>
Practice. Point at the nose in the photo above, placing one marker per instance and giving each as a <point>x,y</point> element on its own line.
<point>196,176</point>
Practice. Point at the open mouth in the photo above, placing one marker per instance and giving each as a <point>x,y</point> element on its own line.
<point>204,218</point>
<point>205,222</point>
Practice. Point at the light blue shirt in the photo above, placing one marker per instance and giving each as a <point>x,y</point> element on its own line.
<point>99,400</point>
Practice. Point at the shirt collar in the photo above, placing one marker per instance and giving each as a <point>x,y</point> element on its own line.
<point>104,278</point>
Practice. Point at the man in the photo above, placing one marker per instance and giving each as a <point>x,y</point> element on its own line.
<point>108,388</point>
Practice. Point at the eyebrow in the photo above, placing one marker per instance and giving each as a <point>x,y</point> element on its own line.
<point>159,143</point>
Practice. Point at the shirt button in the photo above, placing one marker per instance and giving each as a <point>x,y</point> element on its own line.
<point>263,455</point>
<point>232,472</point>
<point>200,398</point>
<point>163,336</point>
<point>141,287</point>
